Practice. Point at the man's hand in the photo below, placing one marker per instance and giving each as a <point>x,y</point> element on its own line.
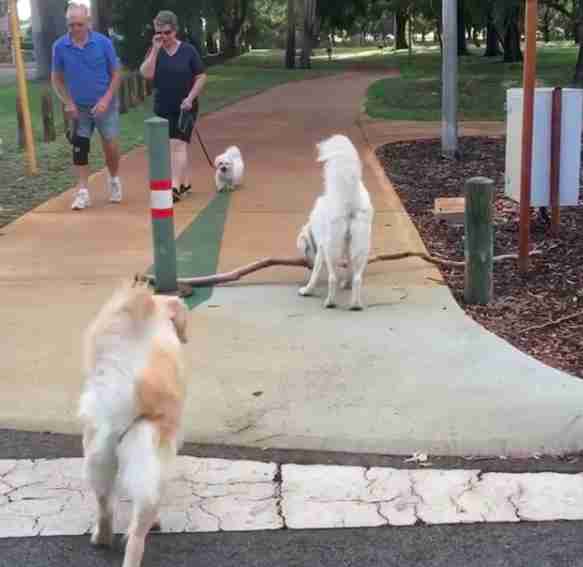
<point>186,104</point>
<point>101,106</point>
<point>71,111</point>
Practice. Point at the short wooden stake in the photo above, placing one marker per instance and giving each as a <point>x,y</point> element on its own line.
<point>140,87</point>
<point>47,109</point>
<point>479,242</point>
<point>131,89</point>
<point>556,133</point>
<point>123,97</point>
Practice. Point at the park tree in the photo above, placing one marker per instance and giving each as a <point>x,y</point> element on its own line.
<point>48,23</point>
<point>290,49</point>
<point>231,15</point>
<point>101,15</point>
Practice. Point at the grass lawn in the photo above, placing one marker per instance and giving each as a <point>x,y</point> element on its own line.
<point>483,82</point>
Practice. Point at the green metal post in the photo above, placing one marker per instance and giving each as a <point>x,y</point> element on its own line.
<point>165,270</point>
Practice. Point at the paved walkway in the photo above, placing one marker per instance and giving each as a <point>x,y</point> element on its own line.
<point>50,497</point>
<point>270,369</point>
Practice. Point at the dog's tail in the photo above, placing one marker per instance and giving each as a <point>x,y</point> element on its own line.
<point>342,167</point>
<point>144,465</point>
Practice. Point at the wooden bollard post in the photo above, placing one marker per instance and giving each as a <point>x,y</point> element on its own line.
<point>47,109</point>
<point>131,91</point>
<point>140,87</point>
<point>123,97</point>
<point>479,241</point>
<point>20,123</point>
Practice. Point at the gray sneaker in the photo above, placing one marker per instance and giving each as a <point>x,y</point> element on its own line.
<point>82,200</point>
<point>115,195</point>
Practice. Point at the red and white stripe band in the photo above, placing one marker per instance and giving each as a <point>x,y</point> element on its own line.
<point>161,199</point>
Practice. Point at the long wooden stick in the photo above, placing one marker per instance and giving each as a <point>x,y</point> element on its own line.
<point>553,323</point>
<point>235,275</point>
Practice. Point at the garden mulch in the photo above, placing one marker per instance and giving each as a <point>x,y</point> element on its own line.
<point>540,313</point>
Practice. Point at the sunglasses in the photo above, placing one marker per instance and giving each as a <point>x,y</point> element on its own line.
<point>165,32</point>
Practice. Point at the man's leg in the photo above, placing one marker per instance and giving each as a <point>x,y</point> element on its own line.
<point>112,155</point>
<point>81,142</point>
<point>108,127</point>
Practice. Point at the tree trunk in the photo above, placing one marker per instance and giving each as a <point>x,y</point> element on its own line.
<point>512,51</point>
<point>101,11</point>
<point>290,51</point>
<point>48,23</point>
<point>231,42</point>
<point>492,41</point>
<point>401,30</point>
<point>308,33</point>
<point>211,30</point>
<point>462,43</point>
<point>578,78</point>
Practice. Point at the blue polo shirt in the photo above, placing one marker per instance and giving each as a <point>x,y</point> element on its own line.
<point>88,69</point>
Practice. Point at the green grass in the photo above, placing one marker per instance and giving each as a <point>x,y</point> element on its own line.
<point>483,82</point>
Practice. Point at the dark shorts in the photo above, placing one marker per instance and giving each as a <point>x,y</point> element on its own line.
<point>174,130</point>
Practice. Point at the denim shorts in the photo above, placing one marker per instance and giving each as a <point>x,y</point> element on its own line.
<point>107,124</point>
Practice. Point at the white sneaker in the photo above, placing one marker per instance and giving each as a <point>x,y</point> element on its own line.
<point>115,190</point>
<point>82,200</point>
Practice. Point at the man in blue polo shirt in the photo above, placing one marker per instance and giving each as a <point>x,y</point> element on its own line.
<point>86,75</point>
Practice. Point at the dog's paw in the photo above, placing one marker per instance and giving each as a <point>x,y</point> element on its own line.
<point>356,307</point>
<point>102,537</point>
<point>156,526</point>
<point>304,291</point>
<point>329,304</point>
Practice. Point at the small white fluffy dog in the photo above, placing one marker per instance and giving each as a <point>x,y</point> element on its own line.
<point>339,229</point>
<point>131,407</point>
<point>229,169</point>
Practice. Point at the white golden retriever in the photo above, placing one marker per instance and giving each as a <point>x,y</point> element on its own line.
<point>229,169</point>
<point>131,408</point>
<point>339,229</point>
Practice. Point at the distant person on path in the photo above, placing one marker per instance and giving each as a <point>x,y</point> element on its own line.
<point>86,75</point>
<point>179,77</point>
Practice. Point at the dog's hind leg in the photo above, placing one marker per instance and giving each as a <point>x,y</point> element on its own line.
<point>318,263</point>
<point>141,474</point>
<point>333,254</point>
<point>359,251</point>
<point>101,467</point>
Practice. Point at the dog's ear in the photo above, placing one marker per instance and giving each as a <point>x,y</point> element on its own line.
<point>179,316</point>
<point>217,161</point>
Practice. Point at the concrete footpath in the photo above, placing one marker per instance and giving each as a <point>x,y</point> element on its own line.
<point>271,369</point>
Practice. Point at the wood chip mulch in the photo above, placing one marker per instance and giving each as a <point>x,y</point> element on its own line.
<point>552,290</point>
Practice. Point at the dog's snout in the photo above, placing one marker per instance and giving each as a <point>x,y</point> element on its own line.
<point>223,169</point>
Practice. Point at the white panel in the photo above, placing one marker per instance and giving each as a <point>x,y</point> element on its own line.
<point>571,146</point>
